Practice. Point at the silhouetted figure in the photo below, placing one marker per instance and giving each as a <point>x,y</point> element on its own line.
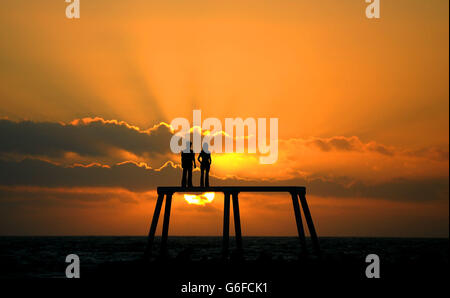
<point>187,161</point>
<point>205,164</point>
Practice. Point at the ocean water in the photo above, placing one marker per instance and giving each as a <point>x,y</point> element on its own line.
<point>44,257</point>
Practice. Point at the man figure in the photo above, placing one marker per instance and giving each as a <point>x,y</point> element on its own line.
<point>187,159</point>
<point>204,158</point>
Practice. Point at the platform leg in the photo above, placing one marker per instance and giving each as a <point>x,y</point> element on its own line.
<point>237,223</point>
<point>154,224</point>
<point>165,230</point>
<point>226,225</point>
<point>298,220</point>
<point>309,222</point>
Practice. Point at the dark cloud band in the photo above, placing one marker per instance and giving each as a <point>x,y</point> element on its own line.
<point>93,138</point>
<point>136,178</point>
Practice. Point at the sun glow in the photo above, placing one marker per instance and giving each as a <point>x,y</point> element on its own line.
<point>201,199</point>
<point>233,161</point>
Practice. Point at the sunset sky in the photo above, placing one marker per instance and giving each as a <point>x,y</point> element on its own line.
<point>363,109</point>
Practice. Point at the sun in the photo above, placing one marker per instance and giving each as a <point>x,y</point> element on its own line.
<point>200,199</point>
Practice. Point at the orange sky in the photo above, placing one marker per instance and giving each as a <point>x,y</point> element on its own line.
<point>330,75</point>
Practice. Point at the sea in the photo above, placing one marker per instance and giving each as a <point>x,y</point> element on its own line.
<point>45,257</point>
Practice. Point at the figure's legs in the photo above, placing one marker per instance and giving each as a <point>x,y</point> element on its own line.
<point>183,179</point>
<point>190,177</point>
<point>207,177</point>
<point>202,177</point>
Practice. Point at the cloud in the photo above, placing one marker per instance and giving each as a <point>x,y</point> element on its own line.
<point>36,195</point>
<point>433,153</point>
<point>128,175</point>
<point>85,137</point>
<point>341,143</point>
<point>354,144</point>
<point>113,140</point>
<point>96,142</point>
<point>139,178</point>
<point>337,143</point>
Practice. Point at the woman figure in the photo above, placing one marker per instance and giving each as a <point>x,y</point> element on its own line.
<point>205,163</point>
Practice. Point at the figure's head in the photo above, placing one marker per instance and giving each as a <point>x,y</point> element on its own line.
<point>206,147</point>
<point>188,147</point>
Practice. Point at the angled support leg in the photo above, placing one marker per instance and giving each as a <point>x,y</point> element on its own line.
<point>298,220</point>
<point>154,224</point>
<point>309,222</point>
<point>165,230</point>
<point>226,225</point>
<point>237,223</point>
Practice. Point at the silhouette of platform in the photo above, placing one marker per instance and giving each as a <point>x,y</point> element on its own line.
<point>298,193</point>
<point>230,189</point>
